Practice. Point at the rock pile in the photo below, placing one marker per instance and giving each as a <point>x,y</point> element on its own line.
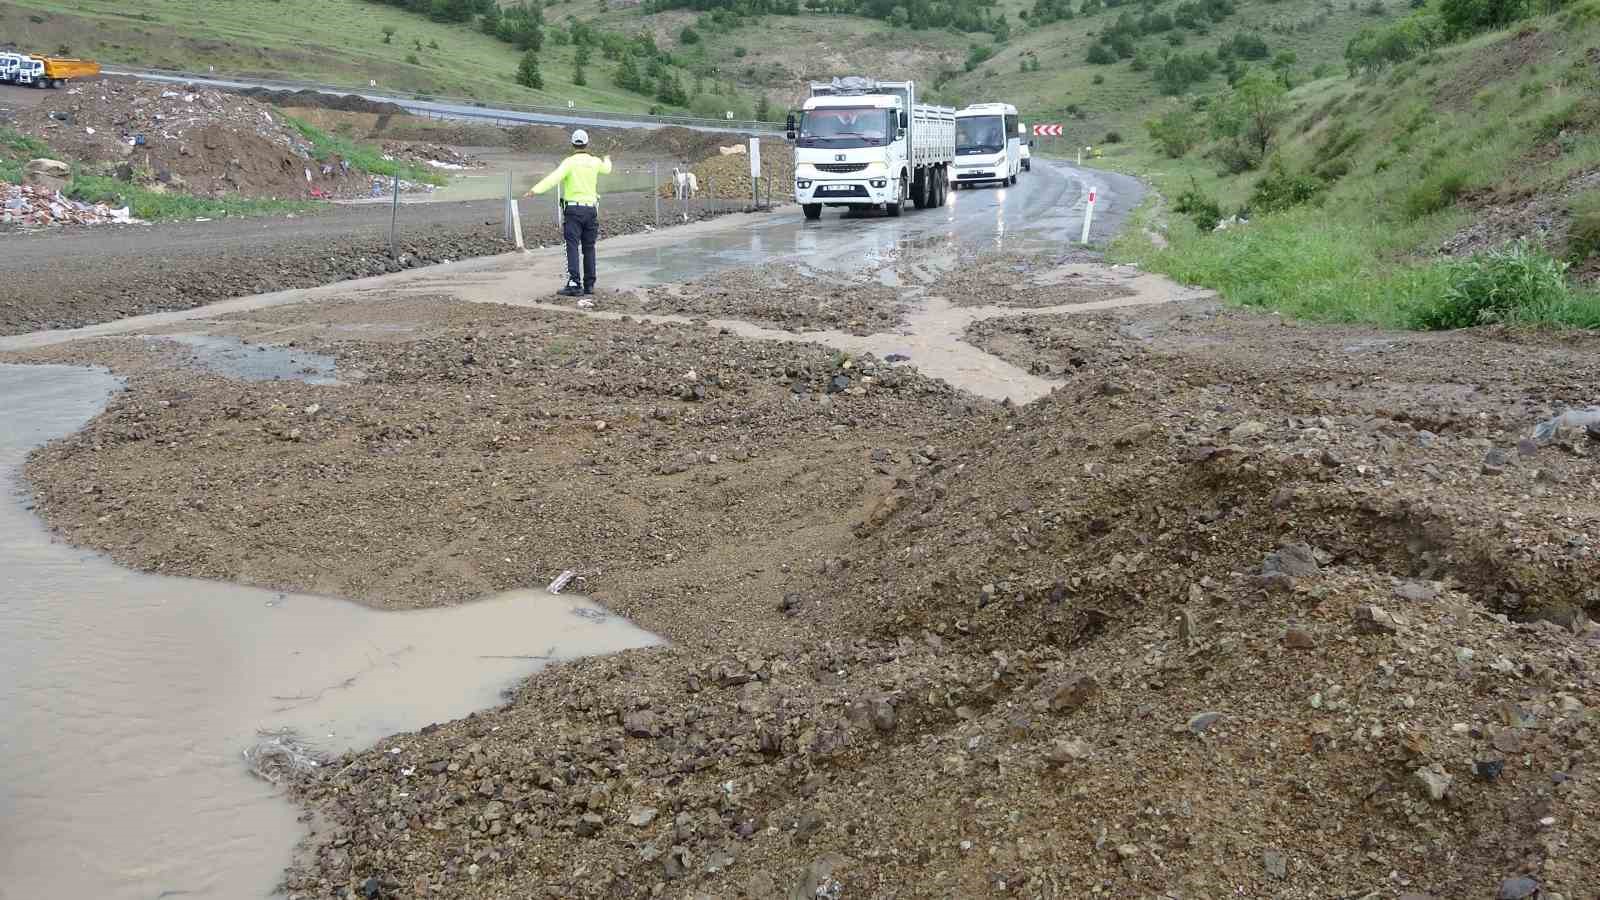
<point>26,206</point>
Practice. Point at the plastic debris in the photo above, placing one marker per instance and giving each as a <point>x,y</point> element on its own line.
<point>562,581</point>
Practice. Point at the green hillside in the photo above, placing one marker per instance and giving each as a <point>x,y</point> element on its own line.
<point>726,58</point>
<point>1455,183</point>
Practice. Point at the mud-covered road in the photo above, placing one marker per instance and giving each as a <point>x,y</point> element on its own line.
<point>985,569</point>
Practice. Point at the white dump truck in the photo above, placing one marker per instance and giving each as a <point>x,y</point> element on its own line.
<point>860,142</point>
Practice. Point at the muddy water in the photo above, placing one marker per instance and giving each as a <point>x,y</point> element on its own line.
<point>127,701</point>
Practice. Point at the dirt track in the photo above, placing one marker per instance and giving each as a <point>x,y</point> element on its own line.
<point>80,278</point>
<point>1234,611</point>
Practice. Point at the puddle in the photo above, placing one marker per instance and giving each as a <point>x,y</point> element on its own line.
<point>128,701</point>
<point>233,358</point>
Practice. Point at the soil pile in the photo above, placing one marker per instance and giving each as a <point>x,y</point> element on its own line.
<point>429,154</point>
<point>1243,608</point>
<point>199,141</point>
<point>727,175</point>
<point>666,143</point>
<point>309,99</point>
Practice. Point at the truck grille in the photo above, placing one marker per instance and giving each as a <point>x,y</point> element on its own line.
<point>841,168</point>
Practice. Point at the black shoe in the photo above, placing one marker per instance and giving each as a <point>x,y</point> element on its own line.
<point>588,292</point>
<point>570,290</point>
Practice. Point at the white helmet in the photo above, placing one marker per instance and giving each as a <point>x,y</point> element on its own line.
<point>580,138</point>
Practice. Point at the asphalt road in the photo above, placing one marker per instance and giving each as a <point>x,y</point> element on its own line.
<point>1042,212</point>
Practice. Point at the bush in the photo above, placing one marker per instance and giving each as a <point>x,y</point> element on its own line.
<point>1113,137</point>
<point>1177,131</point>
<point>412,59</point>
<point>1098,79</point>
<point>1279,189</point>
<point>1100,55</point>
<point>1435,193</point>
<point>1464,17</point>
<point>1204,211</point>
<point>688,36</point>
<point>1516,283</point>
<point>1583,233</point>
<point>528,74</point>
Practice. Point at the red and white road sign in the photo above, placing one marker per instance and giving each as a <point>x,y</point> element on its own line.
<point>1047,131</point>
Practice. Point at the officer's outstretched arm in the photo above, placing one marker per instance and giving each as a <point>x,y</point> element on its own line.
<point>549,181</point>
<point>605,165</point>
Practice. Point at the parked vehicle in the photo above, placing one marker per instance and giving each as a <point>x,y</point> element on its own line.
<point>860,142</point>
<point>9,63</point>
<point>1026,151</point>
<point>54,71</point>
<point>988,145</point>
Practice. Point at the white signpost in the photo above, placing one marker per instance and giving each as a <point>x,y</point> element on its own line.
<point>755,171</point>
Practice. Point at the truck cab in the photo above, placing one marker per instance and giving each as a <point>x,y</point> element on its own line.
<point>8,66</point>
<point>30,71</point>
<point>864,143</point>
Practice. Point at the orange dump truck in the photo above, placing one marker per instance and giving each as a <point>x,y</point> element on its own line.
<point>52,71</point>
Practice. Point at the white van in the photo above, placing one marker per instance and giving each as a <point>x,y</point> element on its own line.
<point>988,145</point>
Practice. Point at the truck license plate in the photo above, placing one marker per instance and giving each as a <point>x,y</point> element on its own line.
<point>834,189</point>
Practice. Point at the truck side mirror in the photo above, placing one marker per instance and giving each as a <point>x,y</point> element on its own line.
<point>905,120</point>
<point>788,127</point>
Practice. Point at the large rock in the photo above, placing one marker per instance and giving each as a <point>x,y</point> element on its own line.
<point>50,174</point>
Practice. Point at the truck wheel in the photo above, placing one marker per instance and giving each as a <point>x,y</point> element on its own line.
<point>941,187</point>
<point>813,211</point>
<point>893,209</point>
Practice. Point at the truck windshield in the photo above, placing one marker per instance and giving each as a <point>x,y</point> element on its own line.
<point>844,126</point>
<point>980,134</point>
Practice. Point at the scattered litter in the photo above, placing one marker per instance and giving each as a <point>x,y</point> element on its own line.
<point>279,755</point>
<point>1572,419</point>
<point>562,581</point>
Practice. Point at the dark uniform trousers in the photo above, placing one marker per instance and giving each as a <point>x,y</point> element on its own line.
<point>580,225</point>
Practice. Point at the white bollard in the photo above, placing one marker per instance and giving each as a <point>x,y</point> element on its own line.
<point>1088,216</point>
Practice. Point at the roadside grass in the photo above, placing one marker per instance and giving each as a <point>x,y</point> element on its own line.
<point>16,149</point>
<point>158,206</point>
<point>1404,165</point>
<point>362,156</point>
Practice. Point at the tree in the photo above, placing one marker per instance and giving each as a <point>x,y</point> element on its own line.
<point>388,34</point>
<point>1252,112</point>
<point>528,71</point>
<point>577,72</point>
<point>688,36</point>
<point>1100,55</point>
<point>1176,131</point>
<point>628,77</point>
<point>490,23</point>
<point>763,109</point>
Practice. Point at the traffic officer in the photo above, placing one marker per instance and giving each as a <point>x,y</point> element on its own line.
<point>580,218</point>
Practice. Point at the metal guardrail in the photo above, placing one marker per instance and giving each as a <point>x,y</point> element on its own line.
<point>452,107</point>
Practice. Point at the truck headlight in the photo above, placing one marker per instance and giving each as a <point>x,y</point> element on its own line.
<point>880,182</point>
<point>802,183</point>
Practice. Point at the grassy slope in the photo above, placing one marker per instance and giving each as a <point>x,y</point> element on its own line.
<point>341,41</point>
<point>336,41</point>
<point>1469,134</point>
